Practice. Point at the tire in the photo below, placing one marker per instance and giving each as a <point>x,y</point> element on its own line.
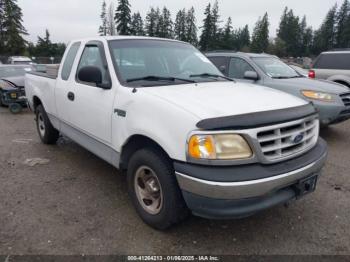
<point>171,209</point>
<point>47,133</point>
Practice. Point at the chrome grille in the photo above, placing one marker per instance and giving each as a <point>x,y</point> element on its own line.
<point>346,99</point>
<point>289,139</point>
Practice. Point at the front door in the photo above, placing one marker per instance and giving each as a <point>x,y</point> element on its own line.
<point>93,106</point>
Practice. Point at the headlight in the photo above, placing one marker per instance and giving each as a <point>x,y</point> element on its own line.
<point>13,95</point>
<point>219,147</point>
<point>318,95</point>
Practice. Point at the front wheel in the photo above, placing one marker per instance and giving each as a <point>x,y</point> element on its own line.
<point>47,133</point>
<point>154,191</point>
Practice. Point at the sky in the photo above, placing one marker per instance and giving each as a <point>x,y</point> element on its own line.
<point>68,20</point>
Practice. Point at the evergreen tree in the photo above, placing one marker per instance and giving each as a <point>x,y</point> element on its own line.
<point>136,26</point>
<point>290,32</point>
<point>226,37</point>
<point>159,22</point>
<point>165,24</point>
<point>324,38</point>
<point>260,38</point>
<point>2,16</point>
<point>103,28</point>
<point>44,45</point>
<point>343,26</point>
<point>243,37</point>
<point>151,22</point>
<point>215,26</point>
<point>207,29</point>
<point>191,27</point>
<point>180,26</point>
<point>111,30</point>
<point>12,29</point>
<point>123,17</point>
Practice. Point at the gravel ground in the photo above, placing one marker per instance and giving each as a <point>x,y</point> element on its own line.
<point>78,204</point>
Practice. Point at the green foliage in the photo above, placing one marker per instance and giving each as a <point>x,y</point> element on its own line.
<point>136,26</point>
<point>343,26</point>
<point>123,17</point>
<point>260,38</point>
<point>45,48</point>
<point>165,24</point>
<point>103,28</point>
<point>180,25</point>
<point>152,22</point>
<point>325,37</point>
<point>191,27</point>
<point>207,30</point>
<point>11,28</point>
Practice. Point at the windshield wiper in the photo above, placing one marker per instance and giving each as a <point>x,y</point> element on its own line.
<point>207,75</point>
<point>159,78</point>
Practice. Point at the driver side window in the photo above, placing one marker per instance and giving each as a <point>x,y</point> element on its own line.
<point>238,67</point>
<point>92,56</point>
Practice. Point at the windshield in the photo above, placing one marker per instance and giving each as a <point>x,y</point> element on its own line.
<point>13,71</point>
<point>275,68</point>
<point>158,62</point>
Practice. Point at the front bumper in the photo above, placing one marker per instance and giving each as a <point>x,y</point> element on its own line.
<point>331,114</point>
<point>264,187</point>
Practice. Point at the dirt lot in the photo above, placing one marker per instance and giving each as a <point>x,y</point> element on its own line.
<point>78,204</point>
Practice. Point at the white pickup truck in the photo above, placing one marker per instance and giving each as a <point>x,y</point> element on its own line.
<point>189,138</point>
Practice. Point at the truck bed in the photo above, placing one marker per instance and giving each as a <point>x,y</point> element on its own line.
<point>51,72</point>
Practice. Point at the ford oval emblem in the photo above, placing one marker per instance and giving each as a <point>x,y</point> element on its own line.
<point>298,138</point>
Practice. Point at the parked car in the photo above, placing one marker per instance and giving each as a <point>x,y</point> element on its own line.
<point>332,100</point>
<point>20,60</point>
<point>12,91</point>
<point>189,137</point>
<point>333,66</point>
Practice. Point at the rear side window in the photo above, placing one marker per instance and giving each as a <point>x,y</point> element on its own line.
<point>69,61</point>
<point>220,62</point>
<point>339,61</point>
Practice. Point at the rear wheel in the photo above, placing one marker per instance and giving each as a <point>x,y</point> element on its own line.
<point>47,133</point>
<point>154,191</point>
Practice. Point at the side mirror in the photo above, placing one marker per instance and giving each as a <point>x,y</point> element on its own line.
<point>251,75</point>
<point>91,74</point>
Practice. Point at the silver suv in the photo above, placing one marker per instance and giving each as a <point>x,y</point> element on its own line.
<point>333,66</point>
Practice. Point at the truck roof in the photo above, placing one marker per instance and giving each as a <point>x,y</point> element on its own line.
<point>122,37</point>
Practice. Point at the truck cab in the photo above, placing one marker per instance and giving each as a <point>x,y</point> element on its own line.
<point>190,139</point>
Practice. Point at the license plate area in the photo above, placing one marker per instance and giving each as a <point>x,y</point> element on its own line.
<point>306,186</point>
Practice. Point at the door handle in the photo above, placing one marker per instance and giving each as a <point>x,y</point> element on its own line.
<point>71,96</point>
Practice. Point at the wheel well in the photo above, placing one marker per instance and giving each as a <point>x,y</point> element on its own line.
<point>136,143</point>
<point>36,102</point>
<point>342,83</point>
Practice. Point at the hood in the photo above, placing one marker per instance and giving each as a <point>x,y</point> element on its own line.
<point>218,99</point>
<point>309,84</point>
<point>15,82</point>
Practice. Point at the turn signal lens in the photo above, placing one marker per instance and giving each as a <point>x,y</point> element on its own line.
<point>318,95</point>
<point>201,147</point>
<point>219,147</point>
